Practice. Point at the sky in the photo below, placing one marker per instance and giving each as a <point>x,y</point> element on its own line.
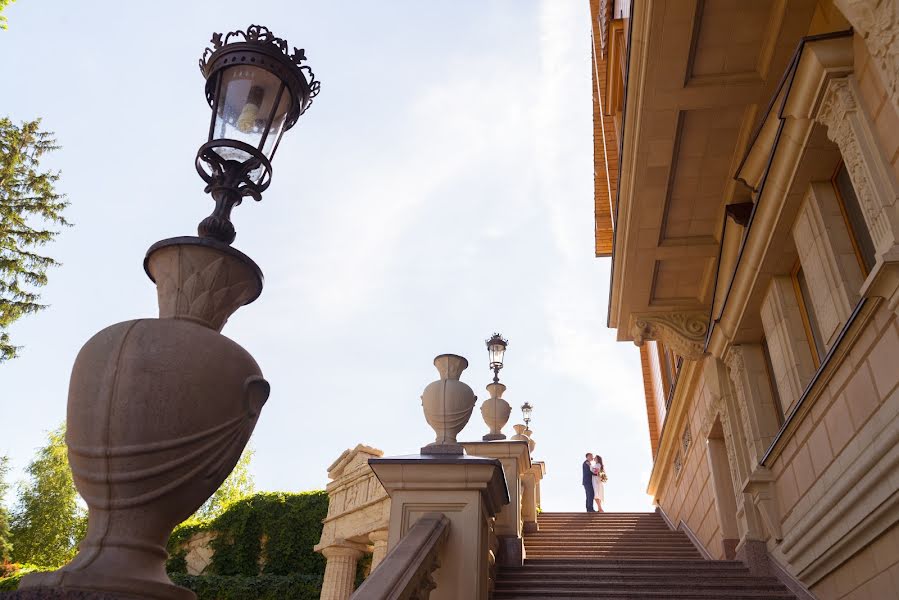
<point>439,189</point>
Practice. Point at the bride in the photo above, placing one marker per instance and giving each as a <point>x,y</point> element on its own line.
<point>599,477</point>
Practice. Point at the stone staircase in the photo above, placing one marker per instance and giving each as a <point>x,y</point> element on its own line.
<point>624,556</point>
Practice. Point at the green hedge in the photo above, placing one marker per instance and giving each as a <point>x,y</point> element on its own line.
<point>291,524</point>
<point>259,587</point>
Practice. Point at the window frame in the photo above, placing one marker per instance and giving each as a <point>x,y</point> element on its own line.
<point>807,316</point>
<point>853,237</point>
<point>772,384</point>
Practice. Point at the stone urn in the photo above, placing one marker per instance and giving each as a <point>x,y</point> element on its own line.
<point>447,404</point>
<point>531,443</point>
<point>159,412</point>
<point>519,433</point>
<point>495,411</point>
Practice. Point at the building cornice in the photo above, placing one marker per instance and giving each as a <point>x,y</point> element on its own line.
<point>641,17</point>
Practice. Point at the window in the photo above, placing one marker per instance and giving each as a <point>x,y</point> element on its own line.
<point>778,405</point>
<point>812,331</point>
<point>855,219</point>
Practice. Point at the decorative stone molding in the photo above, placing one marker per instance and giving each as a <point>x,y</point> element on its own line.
<point>686,438</point>
<point>736,365</point>
<point>848,127</point>
<point>683,332</point>
<point>877,21</point>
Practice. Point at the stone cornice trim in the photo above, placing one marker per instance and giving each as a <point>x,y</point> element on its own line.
<point>635,92</point>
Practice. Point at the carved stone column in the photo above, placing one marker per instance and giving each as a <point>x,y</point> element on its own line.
<point>340,571</point>
<point>683,332</point>
<point>748,373</point>
<point>849,128</point>
<point>379,541</point>
<point>877,21</point>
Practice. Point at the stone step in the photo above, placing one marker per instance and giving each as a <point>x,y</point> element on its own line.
<point>676,563</point>
<point>613,555</point>
<point>544,593</point>
<point>577,580</point>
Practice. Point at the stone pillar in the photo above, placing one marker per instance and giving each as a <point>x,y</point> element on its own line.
<point>469,491</point>
<point>725,502</point>
<point>541,471</point>
<point>340,571</point>
<point>529,500</point>
<point>379,541</point>
<point>516,460</point>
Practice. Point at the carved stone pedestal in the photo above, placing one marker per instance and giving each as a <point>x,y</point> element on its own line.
<point>468,491</point>
<point>516,460</point>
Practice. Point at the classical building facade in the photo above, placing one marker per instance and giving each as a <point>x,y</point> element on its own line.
<point>747,159</point>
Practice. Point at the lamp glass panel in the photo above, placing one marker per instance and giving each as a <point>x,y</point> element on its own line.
<point>270,144</point>
<point>496,352</point>
<point>248,94</point>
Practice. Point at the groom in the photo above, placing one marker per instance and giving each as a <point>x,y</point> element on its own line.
<point>588,481</point>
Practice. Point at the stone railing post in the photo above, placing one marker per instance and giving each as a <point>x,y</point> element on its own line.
<point>516,460</point>
<point>340,570</point>
<point>468,491</point>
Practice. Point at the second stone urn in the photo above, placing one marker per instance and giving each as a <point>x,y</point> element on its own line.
<point>447,404</point>
<point>496,412</point>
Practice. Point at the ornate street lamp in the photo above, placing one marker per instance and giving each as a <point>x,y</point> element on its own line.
<point>496,348</point>
<point>162,451</point>
<point>526,410</point>
<point>257,89</point>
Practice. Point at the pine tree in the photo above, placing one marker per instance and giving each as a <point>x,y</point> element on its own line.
<point>28,204</point>
<point>5,535</point>
<point>238,485</point>
<point>47,522</point>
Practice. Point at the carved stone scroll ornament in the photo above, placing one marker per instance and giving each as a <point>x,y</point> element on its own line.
<point>683,332</point>
<point>877,21</point>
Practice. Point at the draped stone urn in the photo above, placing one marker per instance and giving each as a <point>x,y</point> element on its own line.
<point>159,412</point>
<point>495,411</point>
<point>447,404</point>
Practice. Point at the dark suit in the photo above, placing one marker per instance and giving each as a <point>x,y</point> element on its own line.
<point>588,485</point>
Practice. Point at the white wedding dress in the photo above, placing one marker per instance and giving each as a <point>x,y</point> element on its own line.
<point>598,492</point>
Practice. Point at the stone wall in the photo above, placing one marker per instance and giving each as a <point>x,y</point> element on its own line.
<point>687,494</point>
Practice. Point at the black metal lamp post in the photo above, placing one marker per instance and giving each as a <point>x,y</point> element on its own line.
<point>526,410</point>
<point>257,89</point>
<point>496,348</point>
